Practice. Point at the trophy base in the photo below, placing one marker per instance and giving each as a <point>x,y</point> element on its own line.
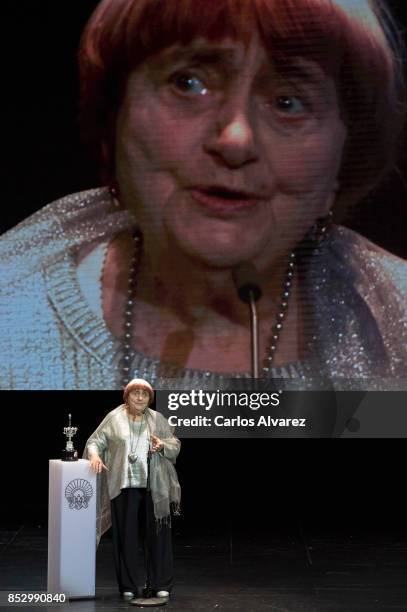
<point>69,455</point>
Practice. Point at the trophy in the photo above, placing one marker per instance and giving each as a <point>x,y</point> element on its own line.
<point>69,453</point>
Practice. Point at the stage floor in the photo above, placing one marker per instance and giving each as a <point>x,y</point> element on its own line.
<point>290,572</point>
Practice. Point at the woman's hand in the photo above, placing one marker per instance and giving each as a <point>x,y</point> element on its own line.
<point>97,464</point>
<point>156,443</point>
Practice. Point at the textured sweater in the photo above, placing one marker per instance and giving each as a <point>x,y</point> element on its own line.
<point>53,337</point>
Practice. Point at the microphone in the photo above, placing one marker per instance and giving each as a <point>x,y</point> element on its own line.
<point>248,288</point>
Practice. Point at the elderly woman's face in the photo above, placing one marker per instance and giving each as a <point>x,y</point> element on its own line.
<point>138,397</point>
<point>222,156</point>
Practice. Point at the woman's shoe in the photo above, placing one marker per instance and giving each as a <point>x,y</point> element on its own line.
<point>162,594</point>
<point>127,595</point>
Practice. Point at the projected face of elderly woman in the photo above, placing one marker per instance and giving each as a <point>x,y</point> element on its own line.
<point>224,157</point>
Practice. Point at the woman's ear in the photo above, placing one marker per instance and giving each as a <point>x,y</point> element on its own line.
<point>332,197</point>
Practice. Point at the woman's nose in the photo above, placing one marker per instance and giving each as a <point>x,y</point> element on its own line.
<point>233,143</point>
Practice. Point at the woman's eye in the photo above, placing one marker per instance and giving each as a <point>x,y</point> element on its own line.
<point>290,105</point>
<point>294,104</point>
<point>189,83</point>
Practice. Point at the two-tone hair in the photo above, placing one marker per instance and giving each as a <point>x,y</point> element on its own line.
<point>356,41</point>
<point>138,383</point>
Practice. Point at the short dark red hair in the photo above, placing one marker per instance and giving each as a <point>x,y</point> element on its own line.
<point>355,40</point>
<point>138,383</point>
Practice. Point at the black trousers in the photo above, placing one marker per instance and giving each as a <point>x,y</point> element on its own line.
<point>130,533</point>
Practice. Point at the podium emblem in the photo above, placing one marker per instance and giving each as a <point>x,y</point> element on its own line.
<point>78,493</point>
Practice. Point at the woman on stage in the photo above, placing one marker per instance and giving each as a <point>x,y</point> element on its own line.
<point>134,450</point>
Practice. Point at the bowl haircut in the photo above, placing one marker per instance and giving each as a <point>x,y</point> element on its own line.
<point>138,383</point>
<point>355,41</point>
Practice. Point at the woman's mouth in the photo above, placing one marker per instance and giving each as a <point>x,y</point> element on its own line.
<point>224,201</point>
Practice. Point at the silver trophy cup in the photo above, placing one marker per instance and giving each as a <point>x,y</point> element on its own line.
<point>69,453</point>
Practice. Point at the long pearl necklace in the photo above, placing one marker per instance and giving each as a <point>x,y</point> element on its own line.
<point>128,312</point>
<point>132,456</point>
<point>316,236</point>
<point>281,313</point>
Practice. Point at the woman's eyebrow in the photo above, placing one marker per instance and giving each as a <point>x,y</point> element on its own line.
<point>300,70</point>
<point>226,57</point>
<point>197,54</point>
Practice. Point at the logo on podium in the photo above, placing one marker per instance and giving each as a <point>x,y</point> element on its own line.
<point>78,493</point>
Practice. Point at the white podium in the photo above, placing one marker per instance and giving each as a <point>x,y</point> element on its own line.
<point>71,528</point>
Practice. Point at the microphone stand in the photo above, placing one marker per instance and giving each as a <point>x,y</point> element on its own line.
<point>148,600</point>
<point>254,335</point>
<point>147,533</point>
<point>249,291</point>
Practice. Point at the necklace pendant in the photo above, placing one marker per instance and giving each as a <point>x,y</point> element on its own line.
<point>132,457</point>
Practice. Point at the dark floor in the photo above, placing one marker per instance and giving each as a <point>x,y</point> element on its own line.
<point>300,572</point>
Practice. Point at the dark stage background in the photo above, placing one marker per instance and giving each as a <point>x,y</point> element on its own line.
<point>229,485</point>
<point>45,159</point>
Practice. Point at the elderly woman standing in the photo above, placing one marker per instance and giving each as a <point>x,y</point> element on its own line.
<point>228,131</point>
<point>134,450</point>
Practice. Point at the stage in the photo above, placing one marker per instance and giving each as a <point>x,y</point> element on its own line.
<point>290,571</point>
<point>282,525</point>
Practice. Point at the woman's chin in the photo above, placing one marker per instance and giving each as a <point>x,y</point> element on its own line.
<point>214,241</point>
<point>214,256</point>
<point>212,250</point>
